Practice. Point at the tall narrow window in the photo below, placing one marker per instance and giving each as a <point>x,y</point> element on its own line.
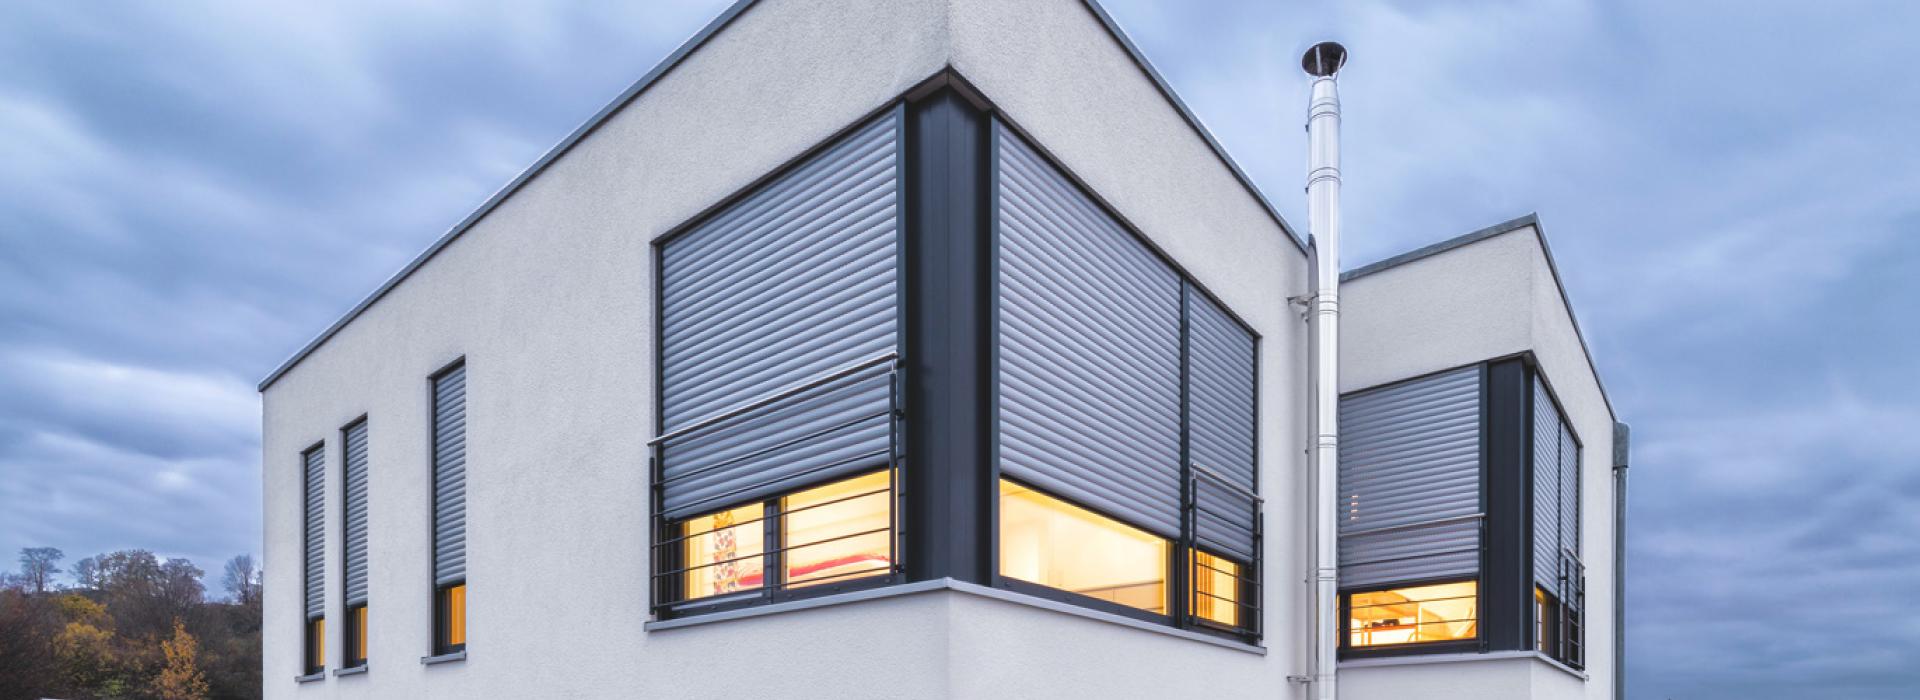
<point>1559,574</point>
<point>1053,543</point>
<point>1216,589</point>
<point>354,497</point>
<point>450,509</point>
<point>314,465</point>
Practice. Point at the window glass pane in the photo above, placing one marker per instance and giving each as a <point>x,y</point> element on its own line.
<point>1047,541</point>
<point>723,551</point>
<point>457,615</point>
<point>1216,589</point>
<point>839,531</point>
<point>1418,614</point>
<point>360,633</point>
<point>316,644</point>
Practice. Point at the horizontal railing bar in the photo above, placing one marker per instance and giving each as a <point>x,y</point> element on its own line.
<point>841,499</point>
<point>783,550</point>
<point>1200,470</point>
<point>683,538</point>
<point>1416,526</point>
<point>675,572</point>
<point>793,585</point>
<point>777,395</point>
<point>831,540</point>
<point>815,435</point>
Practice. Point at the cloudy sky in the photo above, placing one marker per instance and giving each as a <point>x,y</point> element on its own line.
<point>190,191</point>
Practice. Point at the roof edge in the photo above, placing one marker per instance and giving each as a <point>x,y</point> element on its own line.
<point>666,65</point>
<point>1166,90</point>
<point>1461,241</point>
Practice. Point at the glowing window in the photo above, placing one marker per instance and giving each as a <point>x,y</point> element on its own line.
<point>1047,541</point>
<point>1541,641</point>
<point>1216,589</point>
<point>356,635</point>
<point>839,531</point>
<point>316,644</point>
<point>725,551</point>
<point>453,619</point>
<point>1436,613</point>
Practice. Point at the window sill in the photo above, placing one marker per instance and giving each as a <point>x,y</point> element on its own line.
<point>311,677</point>
<point>460,655</point>
<point>947,584</point>
<point>350,671</point>
<point>1415,659</point>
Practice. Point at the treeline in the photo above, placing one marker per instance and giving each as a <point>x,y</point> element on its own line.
<point>132,626</point>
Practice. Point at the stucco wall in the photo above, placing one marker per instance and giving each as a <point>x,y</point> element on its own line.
<point>1495,297</point>
<point>547,298</point>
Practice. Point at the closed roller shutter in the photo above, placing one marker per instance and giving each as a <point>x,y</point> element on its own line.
<point>1556,489</point>
<point>1220,425</point>
<point>315,468</point>
<point>450,477</point>
<point>795,281</point>
<point>1410,480</point>
<point>355,493</point>
<point>1546,451</point>
<point>1089,348</point>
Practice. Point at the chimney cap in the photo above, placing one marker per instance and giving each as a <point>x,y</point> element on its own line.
<point>1324,59</point>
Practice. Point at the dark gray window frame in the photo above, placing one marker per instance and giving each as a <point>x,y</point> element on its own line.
<point>948,359</point>
<point>311,648</point>
<point>441,630</point>
<point>1507,619</point>
<point>349,623</point>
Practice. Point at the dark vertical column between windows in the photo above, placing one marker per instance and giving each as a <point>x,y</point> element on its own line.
<point>1506,596</point>
<point>948,341</point>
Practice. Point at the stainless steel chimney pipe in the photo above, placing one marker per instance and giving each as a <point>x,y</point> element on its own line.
<point>1322,62</point>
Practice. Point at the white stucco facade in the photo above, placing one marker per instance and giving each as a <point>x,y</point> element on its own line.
<point>547,297</point>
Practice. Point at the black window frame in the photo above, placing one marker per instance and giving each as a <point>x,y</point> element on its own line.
<point>443,617</point>
<point>313,627</point>
<point>1446,646</point>
<point>351,628</point>
<point>441,644</point>
<point>353,633</point>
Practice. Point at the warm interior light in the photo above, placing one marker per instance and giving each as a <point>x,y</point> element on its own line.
<point>1439,612</point>
<point>1216,589</point>
<point>724,551</point>
<point>838,531</point>
<point>457,615</point>
<point>360,633</point>
<point>317,628</point>
<point>1047,541</point>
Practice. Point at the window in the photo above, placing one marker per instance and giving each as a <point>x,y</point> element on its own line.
<point>839,532</point>
<point>314,465</point>
<point>316,645</point>
<point>1050,542</point>
<point>356,637</point>
<point>353,490</point>
<point>1414,615</point>
<point>1216,589</point>
<point>1543,607</point>
<point>450,606</point>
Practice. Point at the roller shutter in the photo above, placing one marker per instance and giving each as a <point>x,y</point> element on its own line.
<point>1220,425</point>
<point>355,494</point>
<point>450,477</point>
<point>1410,481</point>
<point>315,467</point>
<point>794,281</point>
<point>1556,489</point>
<point>1089,344</point>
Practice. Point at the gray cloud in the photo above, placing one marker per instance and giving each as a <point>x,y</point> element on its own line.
<point>189,191</point>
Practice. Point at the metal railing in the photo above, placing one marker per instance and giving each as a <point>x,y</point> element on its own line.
<point>1249,586</point>
<point>1572,610</point>
<point>668,561</point>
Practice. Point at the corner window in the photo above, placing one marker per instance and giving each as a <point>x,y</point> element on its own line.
<point>839,532</point>
<point>1050,542</point>
<point>450,606</point>
<point>1414,615</point>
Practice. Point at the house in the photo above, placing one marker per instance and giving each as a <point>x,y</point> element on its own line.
<point>932,349</point>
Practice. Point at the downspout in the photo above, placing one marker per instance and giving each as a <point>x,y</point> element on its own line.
<point>1323,339</point>
<point>1622,441</point>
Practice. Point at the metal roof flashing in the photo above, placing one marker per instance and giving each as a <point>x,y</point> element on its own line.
<point>666,66</point>
<point>1531,220</point>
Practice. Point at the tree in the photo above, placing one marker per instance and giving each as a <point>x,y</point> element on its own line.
<point>38,565</point>
<point>86,573</point>
<point>243,580</point>
<point>180,678</point>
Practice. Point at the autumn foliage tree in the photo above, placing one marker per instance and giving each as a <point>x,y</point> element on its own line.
<point>180,678</point>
